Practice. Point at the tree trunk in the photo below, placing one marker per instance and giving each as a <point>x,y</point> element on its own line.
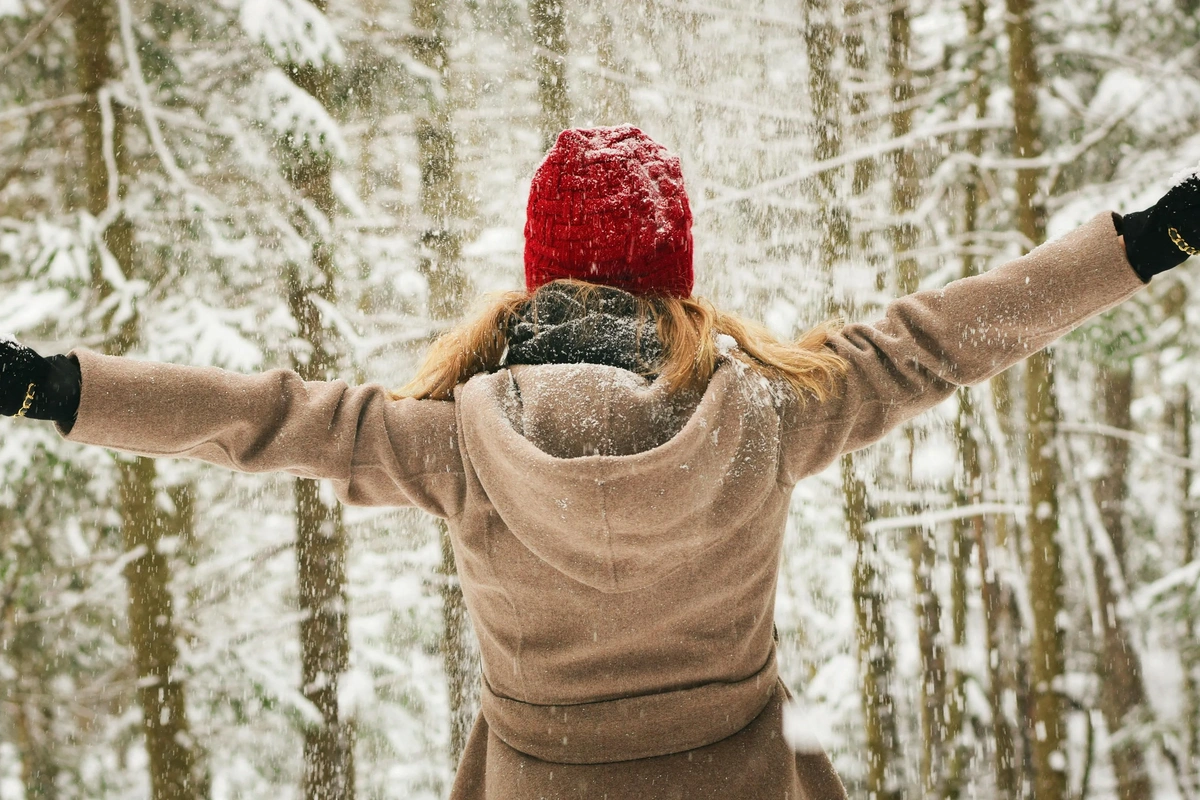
<point>550,63</point>
<point>152,633</point>
<point>854,42</point>
<point>1122,693</point>
<point>905,180</point>
<point>324,641</point>
<point>875,651</point>
<point>26,690</point>
<point>1045,572</point>
<point>832,218</point>
<point>616,104</point>
<point>1005,752</point>
<point>921,546</point>
<point>1005,764</point>
<point>329,772</point>
<point>874,642</point>
<point>460,656</point>
<point>39,768</point>
<point>442,204</point>
<point>442,208</point>
<point>176,770</point>
<point>970,490</point>
<point>1191,625</point>
<point>933,659</point>
<point>1045,584</point>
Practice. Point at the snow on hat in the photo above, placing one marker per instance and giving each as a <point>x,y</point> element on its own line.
<point>607,206</point>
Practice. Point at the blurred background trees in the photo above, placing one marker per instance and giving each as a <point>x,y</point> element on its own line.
<point>1000,601</point>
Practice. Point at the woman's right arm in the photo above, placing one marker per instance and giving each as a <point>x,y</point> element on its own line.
<point>375,450</point>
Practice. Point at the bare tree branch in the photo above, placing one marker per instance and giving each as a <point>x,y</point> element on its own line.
<point>870,151</point>
<point>41,106</point>
<point>34,32</point>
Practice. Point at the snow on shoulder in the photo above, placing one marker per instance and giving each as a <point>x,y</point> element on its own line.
<point>1184,175</point>
<point>726,344</point>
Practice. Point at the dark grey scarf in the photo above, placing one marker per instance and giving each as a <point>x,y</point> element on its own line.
<point>555,327</point>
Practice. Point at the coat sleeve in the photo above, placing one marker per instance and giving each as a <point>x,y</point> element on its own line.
<point>931,342</point>
<point>375,450</point>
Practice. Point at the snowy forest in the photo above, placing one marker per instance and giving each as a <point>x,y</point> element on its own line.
<point>1002,600</point>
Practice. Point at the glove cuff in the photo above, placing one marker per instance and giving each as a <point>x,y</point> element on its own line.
<point>1147,244</point>
<point>57,396</point>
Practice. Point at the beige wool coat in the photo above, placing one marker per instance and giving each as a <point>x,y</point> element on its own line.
<point>618,547</point>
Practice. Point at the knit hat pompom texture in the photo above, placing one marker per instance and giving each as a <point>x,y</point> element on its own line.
<point>607,206</point>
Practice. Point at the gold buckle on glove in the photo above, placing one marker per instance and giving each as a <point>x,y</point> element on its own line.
<point>28,400</point>
<point>1181,243</point>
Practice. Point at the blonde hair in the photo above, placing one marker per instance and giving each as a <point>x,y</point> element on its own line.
<point>688,329</point>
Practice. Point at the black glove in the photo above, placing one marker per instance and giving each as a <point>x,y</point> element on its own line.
<point>1164,235</point>
<point>36,387</point>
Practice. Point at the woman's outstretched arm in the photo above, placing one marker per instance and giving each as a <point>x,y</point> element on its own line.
<point>375,450</point>
<point>931,342</point>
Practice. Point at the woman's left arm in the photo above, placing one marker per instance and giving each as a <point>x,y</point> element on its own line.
<point>375,450</point>
<point>931,342</point>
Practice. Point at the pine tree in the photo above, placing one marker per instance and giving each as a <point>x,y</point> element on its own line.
<point>1046,570</point>
<point>922,552</point>
<point>176,771</point>
<point>549,20</point>
<point>1122,694</point>
<point>308,163</point>
<point>874,642</point>
<point>442,210</point>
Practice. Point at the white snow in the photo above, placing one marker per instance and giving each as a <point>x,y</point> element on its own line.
<point>294,31</point>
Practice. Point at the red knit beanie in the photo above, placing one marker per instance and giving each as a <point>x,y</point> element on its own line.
<point>608,206</point>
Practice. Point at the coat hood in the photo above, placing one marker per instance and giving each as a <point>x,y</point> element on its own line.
<point>608,478</point>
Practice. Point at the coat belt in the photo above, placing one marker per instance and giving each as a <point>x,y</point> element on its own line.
<point>628,728</point>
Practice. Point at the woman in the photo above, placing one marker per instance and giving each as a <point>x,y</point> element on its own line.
<point>615,461</point>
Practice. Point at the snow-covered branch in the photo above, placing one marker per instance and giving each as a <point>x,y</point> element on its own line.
<point>41,106</point>
<point>930,518</point>
<point>165,156</point>
<point>1136,439</point>
<point>861,154</point>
